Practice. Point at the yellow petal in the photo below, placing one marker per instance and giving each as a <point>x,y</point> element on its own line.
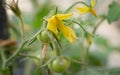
<point>93,3</point>
<point>83,10</point>
<point>93,12</point>
<point>52,25</point>
<point>52,28</point>
<point>63,16</point>
<point>69,34</point>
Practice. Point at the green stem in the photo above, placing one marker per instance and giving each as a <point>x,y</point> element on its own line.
<point>15,54</point>
<point>15,30</point>
<point>56,10</point>
<point>57,48</point>
<point>98,24</point>
<point>2,55</point>
<point>30,56</point>
<point>22,28</point>
<point>45,64</point>
<point>66,11</point>
<point>86,58</point>
<point>33,37</point>
<point>58,52</point>
<point>20,48</point>
<point>80,26</point>
<point>55,43</point>
<point>76,61</point>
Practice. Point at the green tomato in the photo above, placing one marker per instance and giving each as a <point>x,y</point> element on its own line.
<point>59,64</point>
<point>43,37</point>
<point>36,61</point>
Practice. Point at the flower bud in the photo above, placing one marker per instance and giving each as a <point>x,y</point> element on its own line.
<point>89,38</point>
<point>15,8</point>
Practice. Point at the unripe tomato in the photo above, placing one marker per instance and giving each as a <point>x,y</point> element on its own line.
<point>36,61</point>
<point>43,37</point>
<point>59,64</point>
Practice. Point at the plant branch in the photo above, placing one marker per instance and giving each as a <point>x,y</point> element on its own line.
<point>22,28</point>
<point>44,65</point>
<point>30,56</point>
<point>76,61</point>
<point>80,26</point>
<point>66,11</point>
<point>98,24</point>
<point>2,55</point>
<point>15,54</point>
<point>33,37</point>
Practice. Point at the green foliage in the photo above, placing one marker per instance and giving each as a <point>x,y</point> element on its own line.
<point>6,71</point>
<point>114,12</point>
<point>100,71</point>
<point>40,14</point>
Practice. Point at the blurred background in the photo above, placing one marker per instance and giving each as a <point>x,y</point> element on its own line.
<point>105,51</point>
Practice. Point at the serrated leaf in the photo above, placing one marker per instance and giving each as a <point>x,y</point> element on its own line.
<point>113,12</point>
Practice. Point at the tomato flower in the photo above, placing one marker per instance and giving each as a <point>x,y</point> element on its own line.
<point>86,9</point>
<point>55,23</point>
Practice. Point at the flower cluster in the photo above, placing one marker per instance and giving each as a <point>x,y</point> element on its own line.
<point>55,23</point>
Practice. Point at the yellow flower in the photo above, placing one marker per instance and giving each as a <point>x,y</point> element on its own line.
<point>55,23</point>
<point>86,9</point>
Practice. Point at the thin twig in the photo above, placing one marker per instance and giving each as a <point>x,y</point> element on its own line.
<point>22,28</point>
<point>80,26</point>
<point>30,56</point>
<point>2,55</point>
<point>98,24</point>
<point>46,63</point>
<point>76,61</point>
<point>66,11</point>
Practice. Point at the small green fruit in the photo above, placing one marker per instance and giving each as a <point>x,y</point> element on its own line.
<point>59,64</point>
<point>43,37</point>
<point>37,61</point>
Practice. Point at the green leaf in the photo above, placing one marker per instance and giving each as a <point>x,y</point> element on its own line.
<point>113,12</point>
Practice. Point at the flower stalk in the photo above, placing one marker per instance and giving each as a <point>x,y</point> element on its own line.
<point>98,24</point>
<point>22,28</point>
<point>44,50</point>
<point>80,2</point>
